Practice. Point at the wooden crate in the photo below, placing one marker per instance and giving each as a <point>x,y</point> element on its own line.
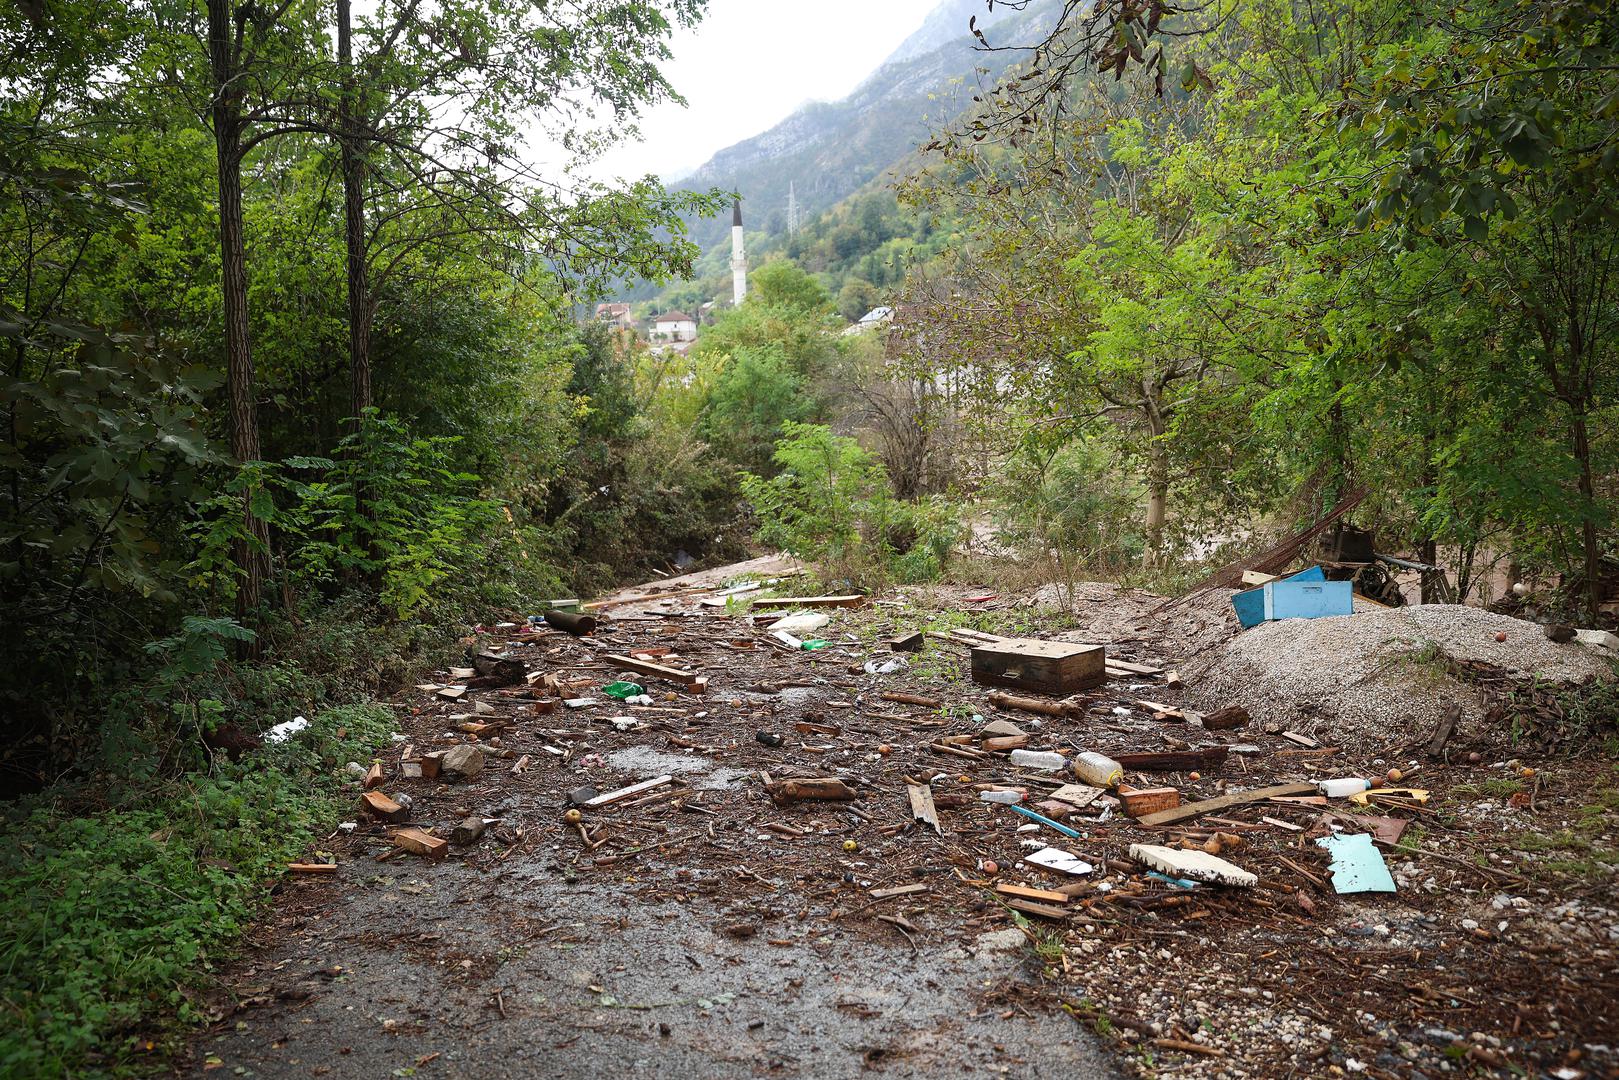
<point>1051,667</point>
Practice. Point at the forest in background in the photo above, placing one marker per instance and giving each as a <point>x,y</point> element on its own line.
<point>294,392</point>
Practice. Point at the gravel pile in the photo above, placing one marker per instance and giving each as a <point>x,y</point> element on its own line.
<point>1371,679</point>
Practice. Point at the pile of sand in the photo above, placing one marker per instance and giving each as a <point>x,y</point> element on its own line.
<point>1380,677</point>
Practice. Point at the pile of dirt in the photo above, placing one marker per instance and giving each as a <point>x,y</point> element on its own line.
<point>1381,677</point>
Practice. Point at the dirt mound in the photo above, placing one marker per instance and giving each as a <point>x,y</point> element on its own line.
<point>1377,678</point>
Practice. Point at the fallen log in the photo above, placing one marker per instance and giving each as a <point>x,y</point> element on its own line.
<point>570,622</point>
<point>1034,705</point>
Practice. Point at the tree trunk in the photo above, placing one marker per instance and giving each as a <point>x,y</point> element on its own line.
<point>253,551</point>
<point>353,165</point>
<point>1588,509</point>
<point>1157,501</point>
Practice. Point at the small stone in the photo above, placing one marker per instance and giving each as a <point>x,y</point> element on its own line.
<point>461,762</point>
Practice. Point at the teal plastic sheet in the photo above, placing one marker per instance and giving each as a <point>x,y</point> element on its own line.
<point>1357,866</point>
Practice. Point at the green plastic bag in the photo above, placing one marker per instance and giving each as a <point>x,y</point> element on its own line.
<point>622,690</point>
<point>814,643</point>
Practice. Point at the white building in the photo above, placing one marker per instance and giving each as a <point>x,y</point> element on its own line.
<point>674,326</point>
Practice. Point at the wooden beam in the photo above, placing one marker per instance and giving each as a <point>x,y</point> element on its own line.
<point>1236,798</point>
<point>922,808</point>
<point>647,667</point>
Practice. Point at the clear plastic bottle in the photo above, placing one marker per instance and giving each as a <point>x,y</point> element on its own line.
<point>1049,760</point>
<point>1098,770</point>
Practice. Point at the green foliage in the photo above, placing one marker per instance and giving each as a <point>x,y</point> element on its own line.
<point>113,914</point>
<point>830,502</point>
<point>754,396</point>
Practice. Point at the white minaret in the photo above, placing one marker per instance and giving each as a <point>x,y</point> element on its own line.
<point>739,258</point>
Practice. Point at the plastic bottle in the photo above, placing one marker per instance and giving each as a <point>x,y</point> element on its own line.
<point>1049,760</point>
<point>1007,796</point>
<point>1098,770</point>
<point>1342,786</point>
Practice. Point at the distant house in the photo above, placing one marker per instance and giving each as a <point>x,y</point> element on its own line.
<point>617,315</point>
<point>872,319</point>
<point>674,326</point>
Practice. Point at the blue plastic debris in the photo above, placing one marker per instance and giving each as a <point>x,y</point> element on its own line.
<point>1357,866</point>
<point>1250,603</point>
<point>1178,882</point>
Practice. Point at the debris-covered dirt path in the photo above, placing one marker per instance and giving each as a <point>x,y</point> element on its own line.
<point>698,924</point>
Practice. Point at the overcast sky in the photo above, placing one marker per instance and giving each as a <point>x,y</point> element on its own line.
<point>752,62</point>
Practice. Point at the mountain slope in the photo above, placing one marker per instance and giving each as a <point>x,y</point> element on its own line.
<point>828,150</point>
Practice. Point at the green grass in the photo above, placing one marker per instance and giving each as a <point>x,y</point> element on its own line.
<point>114,918</point>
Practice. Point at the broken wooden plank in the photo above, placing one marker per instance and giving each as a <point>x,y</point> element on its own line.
<point>1023,892</point>
<point>1236,798</point>
<point>847,600</point>
<point>312,868</point>
<point>922,808</point>
<point>421,842</point>
<point>1134,669</point>
<point>1052,667</point>
<point>1078,796</point>
<point>897,890</point>
<point>1211,757</point>
<point>607,798</point>
<point>1192,865</point>
<point>1446,728</point>
<point>1031,907</point>
<point>647,667</point>
<point>373,776</point>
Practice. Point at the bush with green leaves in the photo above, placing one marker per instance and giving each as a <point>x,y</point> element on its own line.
<point>830,503</point>
<point>112,916</point>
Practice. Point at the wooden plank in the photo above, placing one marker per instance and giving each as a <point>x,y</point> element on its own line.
<point>1023,892</point>
<point>312,867</point>
<point>1045,911</point>
<point>373,776</point>
<point>911,642</point>
<point>848,600</point>
<point>1446,728</point>
<point>609,797</point>
<point>1134,669</point>
<point>647,667</point>
<point>1211,757</point>
<point>922,808</point>
<point>1236,798</point>
<point>1078,796</point>
<point>898,890</point>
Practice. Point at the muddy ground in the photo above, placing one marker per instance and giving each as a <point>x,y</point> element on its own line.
<point>706,928</point>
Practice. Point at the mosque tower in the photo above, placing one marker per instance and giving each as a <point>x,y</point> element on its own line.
<point>739,258</point>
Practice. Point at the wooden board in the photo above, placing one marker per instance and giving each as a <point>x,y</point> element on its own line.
<point>1052,667</point>
<point>1023,892</point>
<point>1045,911</point>
<point>898,890</point>
<point>378,805</point>
<point>647,667</point>
<point>1174,760</point>
<point>850,600</point>
<point>608,797</point>
<point>922,808</point>
<point>1237,798</point>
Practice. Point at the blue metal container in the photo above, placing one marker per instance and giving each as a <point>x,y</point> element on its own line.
<point>1250,603</point>
<point>1307,599</point>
